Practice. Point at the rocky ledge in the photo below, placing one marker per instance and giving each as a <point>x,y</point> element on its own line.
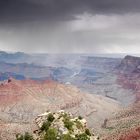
<point>60,125</point>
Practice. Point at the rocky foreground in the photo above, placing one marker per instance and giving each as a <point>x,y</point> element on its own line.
<point>59,126</point>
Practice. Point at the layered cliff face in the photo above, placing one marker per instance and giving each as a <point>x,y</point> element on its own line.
<point>125,125</point>
<point>129,65</point>
<point>22,101</point>
<point>129,74</point>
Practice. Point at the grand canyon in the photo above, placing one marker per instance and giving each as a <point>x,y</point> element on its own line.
<point>104,90</point>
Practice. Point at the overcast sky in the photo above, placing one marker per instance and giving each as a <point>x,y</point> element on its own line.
<point>70,26</point>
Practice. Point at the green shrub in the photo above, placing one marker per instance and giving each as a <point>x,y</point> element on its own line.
<point>26,136</point>
<point>51,134</point>
<point>87,132</point>
<point>80,118</point>
<point>82,136</point>
<point>67,137</point>
<point>19,137</point>
<point>78,124</point>
<point>68,124</point>
<point>65,116</point>
<point>45,126</point>
<point>98,138</point>
<point>50,117</point>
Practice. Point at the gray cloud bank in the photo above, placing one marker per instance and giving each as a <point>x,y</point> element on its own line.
<point>28,10</point>
<point>70,26</point>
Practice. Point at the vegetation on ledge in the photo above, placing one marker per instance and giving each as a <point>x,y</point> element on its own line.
<point>59,126</point>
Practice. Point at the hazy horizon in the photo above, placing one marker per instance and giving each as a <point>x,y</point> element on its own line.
<point>109,55</point>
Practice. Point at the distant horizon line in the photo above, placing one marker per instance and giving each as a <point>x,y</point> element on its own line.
<point>112,55</point>
<point>65,52</point>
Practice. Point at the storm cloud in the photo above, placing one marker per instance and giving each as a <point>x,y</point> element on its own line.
<point>70,26</point>
<point>28,10</point>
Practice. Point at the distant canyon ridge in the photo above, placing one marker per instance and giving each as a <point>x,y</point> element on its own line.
<point>97,75</point>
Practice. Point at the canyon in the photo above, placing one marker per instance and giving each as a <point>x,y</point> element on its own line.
<point>100,89</point>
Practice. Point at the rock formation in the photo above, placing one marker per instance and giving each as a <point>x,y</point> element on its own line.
<point>61,125</point>
<point>129,74</point>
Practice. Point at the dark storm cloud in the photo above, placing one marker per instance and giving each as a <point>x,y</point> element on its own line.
<point>32,10</point>
<point>62,26</point>
<point>85,34</point>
